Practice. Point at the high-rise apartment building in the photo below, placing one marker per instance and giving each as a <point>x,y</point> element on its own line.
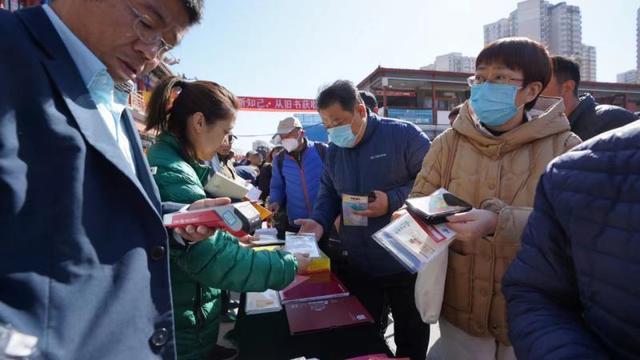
<point>454,62</point>
<point>628,77</point>
<point>587,62</point>
<point>558,27</point>
<point>567,39</point>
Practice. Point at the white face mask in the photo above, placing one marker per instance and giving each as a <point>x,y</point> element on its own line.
<point>290,144</point>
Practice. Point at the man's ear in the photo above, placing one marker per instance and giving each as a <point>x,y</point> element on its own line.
<point>362,110</point>
<point>568,87</point>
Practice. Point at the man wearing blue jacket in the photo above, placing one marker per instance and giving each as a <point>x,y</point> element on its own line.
<point>296,172</point>
<point>376,158</point>
<point>572,291</point>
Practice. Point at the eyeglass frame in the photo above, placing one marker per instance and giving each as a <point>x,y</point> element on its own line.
<point>472,80</point>
<point>334,123</point>
<point>163,46</point>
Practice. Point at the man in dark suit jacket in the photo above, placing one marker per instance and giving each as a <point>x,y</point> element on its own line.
<point>83,264</point>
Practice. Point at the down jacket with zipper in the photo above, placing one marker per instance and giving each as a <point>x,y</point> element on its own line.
<point>572,291</point>
<point>296,184</point>
<point>200,271</point>
<point>500,174</point>
<point>387,159</point>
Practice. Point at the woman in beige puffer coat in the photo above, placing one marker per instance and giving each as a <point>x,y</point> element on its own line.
<point>492,158</point>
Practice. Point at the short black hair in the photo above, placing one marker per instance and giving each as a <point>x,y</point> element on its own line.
<point>195,10</point>
<point>565,69</point>
<point>522,54</point>
<point>369,99</point>
<point>343,92</point>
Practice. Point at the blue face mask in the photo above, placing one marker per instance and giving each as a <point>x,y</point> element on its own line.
<point>494,104</point>
<point>342,136</point>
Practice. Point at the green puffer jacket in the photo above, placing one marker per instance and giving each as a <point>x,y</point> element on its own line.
<point>199,271</point>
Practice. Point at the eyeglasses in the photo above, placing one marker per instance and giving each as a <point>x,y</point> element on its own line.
<point>145,31</point>
<point>332,124</point>
<point>499,79</point>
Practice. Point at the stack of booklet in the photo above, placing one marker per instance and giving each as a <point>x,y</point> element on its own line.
<point>315,301</point>
<point>303,288</point>
<point>320,301</point>
<point>221,186</point>
<point>326,314</point>
<point>310,287</point>
<point>420,235</point>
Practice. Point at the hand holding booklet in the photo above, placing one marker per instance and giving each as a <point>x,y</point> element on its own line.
<point>267,236</point>
<point>351,203</point>
<point>221,186</point>
<point>435,208</point>
<point>412,240</point>
<point>301,243</point>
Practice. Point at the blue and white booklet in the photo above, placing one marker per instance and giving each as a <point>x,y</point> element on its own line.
<point>351,203</point>
<point>413,243</point>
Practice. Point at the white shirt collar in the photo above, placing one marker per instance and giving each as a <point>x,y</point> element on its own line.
<point>93,72</point>
<point>86,62</point>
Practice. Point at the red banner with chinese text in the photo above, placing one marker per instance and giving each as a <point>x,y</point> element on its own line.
<point>277,104</point>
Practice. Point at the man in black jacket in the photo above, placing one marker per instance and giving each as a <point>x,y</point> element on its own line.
<point>586,116</point>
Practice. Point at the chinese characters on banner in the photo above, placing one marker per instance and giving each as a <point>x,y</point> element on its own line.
<point>277,104</point>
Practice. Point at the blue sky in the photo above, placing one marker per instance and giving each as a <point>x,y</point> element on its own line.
<point>287,48</point>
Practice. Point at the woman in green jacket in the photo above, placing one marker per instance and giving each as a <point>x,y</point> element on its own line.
<point>192,119</point>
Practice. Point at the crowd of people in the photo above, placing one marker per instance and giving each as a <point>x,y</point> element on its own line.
<point>545,265</point>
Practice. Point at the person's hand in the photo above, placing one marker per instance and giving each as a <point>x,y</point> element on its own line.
<point>398,213</point>
<point>206,203</point>
<point>192,233</point>
<point>303,262</point>
<point>310,226</point>
<point>377,208</point>
<point>473,224</point>
<point>273,207</point>
<point>247,239</point>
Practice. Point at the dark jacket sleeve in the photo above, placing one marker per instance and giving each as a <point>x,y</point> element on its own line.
<point>264,181</point>
<point>545,315</point>
<point>417,147</point>
<point>610,117</point>
<point>327,206</point>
